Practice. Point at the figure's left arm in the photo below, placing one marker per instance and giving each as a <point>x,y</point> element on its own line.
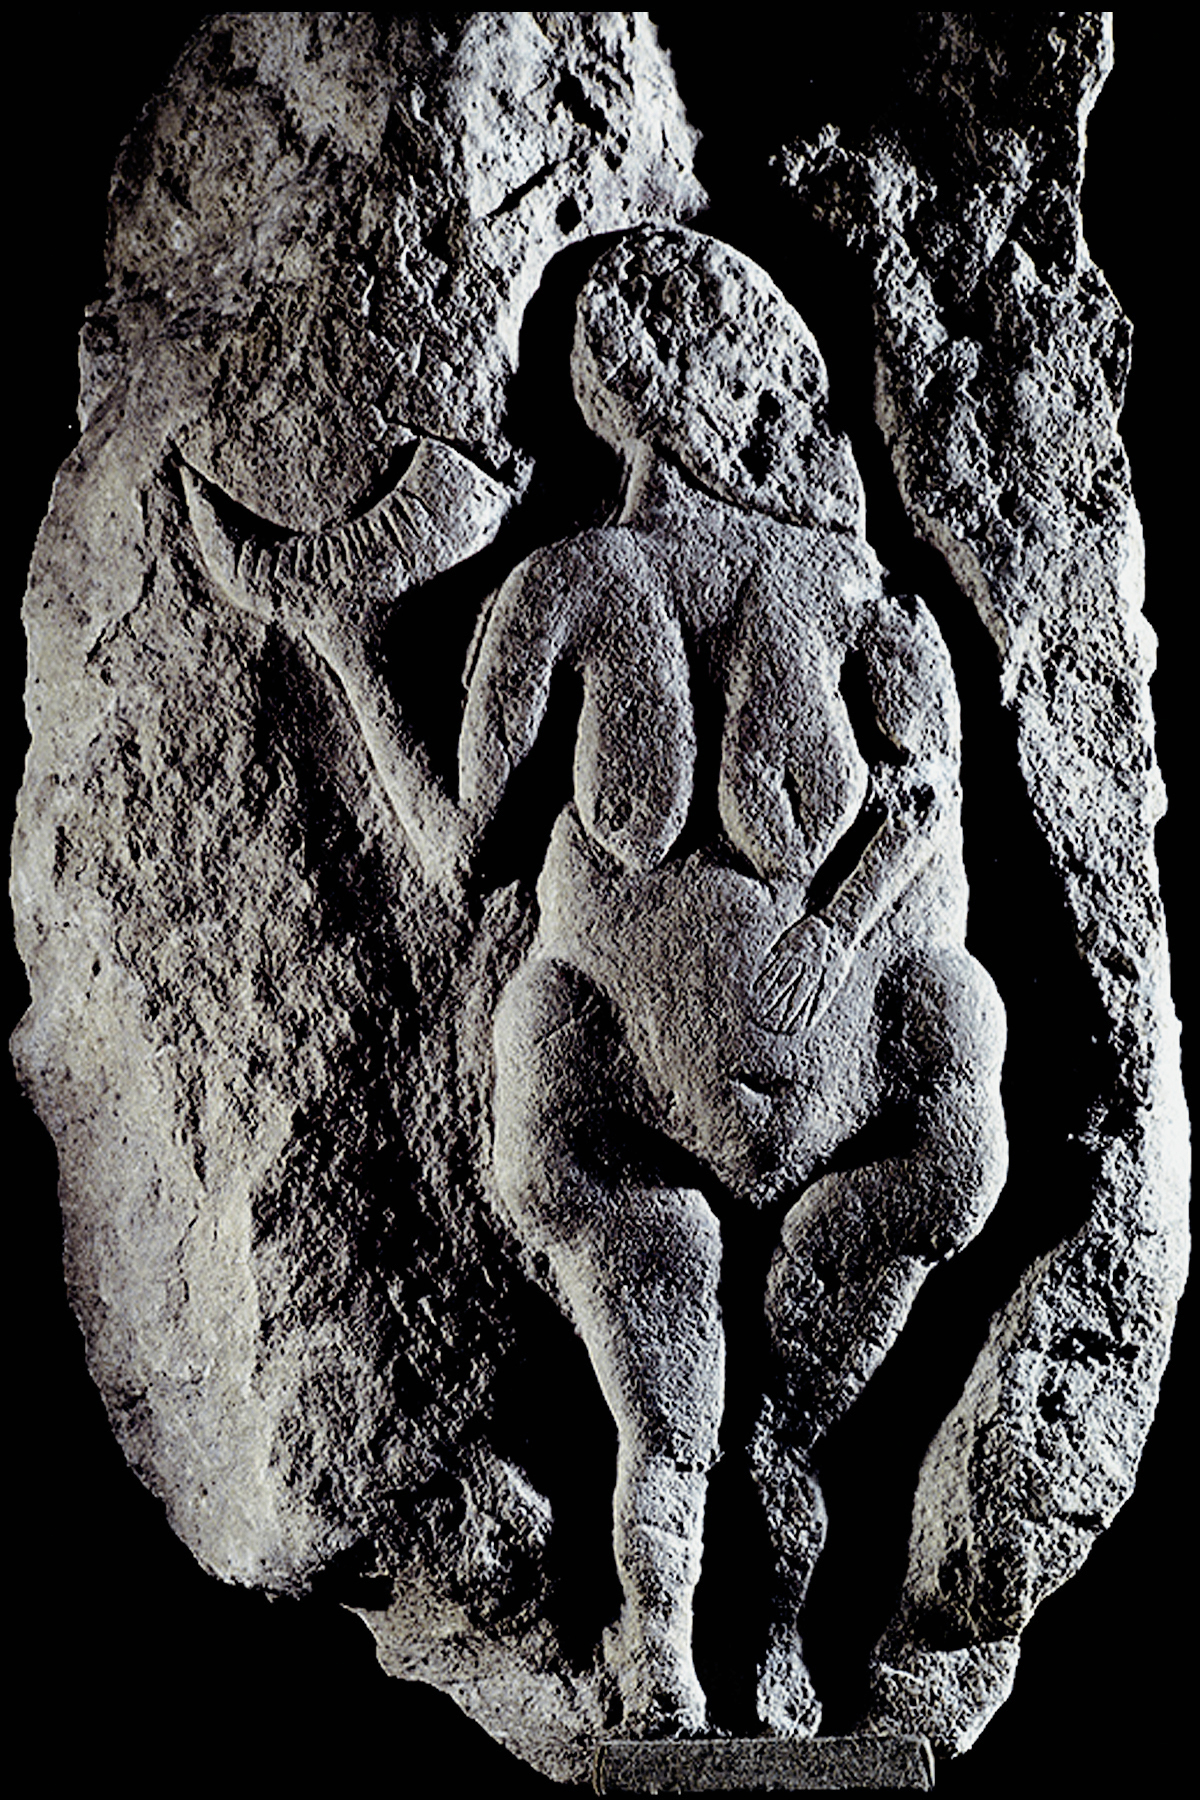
<point>914,788</point>
<point>914,784</point>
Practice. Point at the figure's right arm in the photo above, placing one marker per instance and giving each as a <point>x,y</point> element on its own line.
<point>334,590</point>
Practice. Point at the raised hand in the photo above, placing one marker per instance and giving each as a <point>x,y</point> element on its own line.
<point>347,580</point>
<point>332,591</point>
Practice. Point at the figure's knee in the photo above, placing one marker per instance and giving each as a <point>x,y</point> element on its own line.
<point>641,1280</point>
<point>660,1251</point>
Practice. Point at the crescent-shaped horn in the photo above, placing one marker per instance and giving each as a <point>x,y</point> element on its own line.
<point>443,509</point>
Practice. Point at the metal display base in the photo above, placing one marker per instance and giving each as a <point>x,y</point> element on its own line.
<point>761,1765</point>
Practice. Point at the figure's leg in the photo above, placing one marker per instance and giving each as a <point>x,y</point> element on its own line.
<point>794,1510</point>
<point>855,1249</point>
<point>636,1264</point>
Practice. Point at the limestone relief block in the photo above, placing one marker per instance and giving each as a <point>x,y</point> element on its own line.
<point>586,870</point>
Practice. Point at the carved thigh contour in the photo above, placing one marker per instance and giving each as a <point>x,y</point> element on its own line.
<point>635,1261</point>
<point>942,1047</point>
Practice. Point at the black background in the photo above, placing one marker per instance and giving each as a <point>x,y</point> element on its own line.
<point>135,1666</point>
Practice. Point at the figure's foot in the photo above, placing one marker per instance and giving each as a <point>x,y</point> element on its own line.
<point>787,1701</point>
<point>665,1710</point>
<point>660,1695</point>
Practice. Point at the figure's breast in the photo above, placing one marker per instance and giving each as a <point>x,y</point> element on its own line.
<point>792,775</point>
<point>827,776</point>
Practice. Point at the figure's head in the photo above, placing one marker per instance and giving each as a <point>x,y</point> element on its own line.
<point>684,343</point>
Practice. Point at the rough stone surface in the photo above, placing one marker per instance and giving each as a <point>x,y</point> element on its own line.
<point>1001,359</point>
<point>339,1098</point>
<point>205,958</point>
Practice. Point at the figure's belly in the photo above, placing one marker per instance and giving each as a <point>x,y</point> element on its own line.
<point>676,951</point>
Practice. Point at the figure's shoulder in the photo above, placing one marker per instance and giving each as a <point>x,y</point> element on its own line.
<point>830,580</point>
<point>605,550</point>
<point>902,624</point>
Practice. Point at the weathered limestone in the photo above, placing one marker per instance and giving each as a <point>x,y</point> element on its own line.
<point>767,991</point>
<point>1001,365</point>
<point>274,1097</point>
<point>191,872</point>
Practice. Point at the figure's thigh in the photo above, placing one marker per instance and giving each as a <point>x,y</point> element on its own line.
<point>634,1258</point>
<point>557,1056</point>
<point>942,1035</point>
<point>910,1187</point>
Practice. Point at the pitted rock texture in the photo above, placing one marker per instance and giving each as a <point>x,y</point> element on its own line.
<point>334,223</point>
<point>267,955</point>
<point>766,970</point>
<point>1001,359</point>
<point>234,1044</point>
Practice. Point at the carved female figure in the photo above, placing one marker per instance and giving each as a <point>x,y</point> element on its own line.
<point>751,931</point>
<point>749,987</point>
